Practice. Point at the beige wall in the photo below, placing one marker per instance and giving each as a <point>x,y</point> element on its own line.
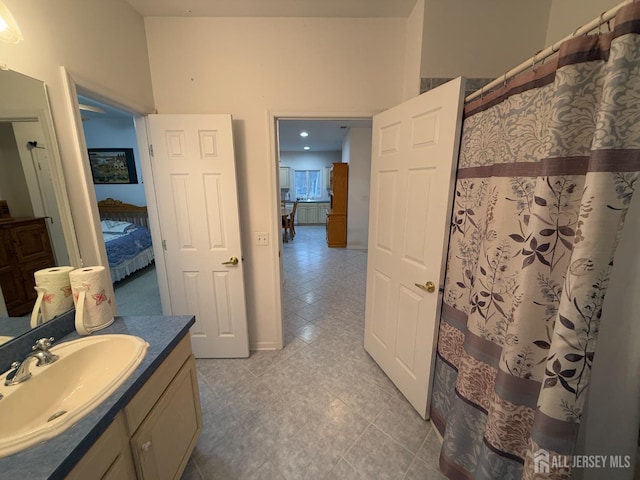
<point>359,159</point>
<point>101,43</point>
<point>413,51</point>
<point>567,15</point>
<point>249,67</point>
<point>481,39</point>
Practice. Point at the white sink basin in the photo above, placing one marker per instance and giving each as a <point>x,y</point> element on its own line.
<point>58,395</point>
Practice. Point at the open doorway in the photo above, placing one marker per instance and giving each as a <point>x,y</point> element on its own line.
<point>308,148</point>
<point>110,136</point>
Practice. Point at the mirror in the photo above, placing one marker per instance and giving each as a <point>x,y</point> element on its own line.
<point>33,200</point>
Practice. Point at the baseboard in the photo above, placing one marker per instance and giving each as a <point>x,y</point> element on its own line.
<point>438,436</point>
<point>263,346</point>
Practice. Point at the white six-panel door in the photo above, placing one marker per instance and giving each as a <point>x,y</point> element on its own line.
<point>414,157</point>
<point>194,173</point>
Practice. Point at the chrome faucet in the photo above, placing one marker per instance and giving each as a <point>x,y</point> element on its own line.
<point>40,352</point>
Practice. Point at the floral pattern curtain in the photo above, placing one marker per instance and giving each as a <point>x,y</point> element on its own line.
<point>547,169</point>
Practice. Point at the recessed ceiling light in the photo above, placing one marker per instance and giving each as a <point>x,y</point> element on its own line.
<point>307,148</point>
<point>304,134</point>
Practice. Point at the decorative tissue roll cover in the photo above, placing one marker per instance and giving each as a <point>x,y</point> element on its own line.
<point>94,309</point>
<point>54,294</point>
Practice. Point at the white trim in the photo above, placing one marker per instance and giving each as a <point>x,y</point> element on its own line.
<point>60,186</point>
<point>269,346</point>
<point>142,134</point>
<point>87,207</point>
<point>272,117</point>
<point>84,209</point>
<point>86,87</point>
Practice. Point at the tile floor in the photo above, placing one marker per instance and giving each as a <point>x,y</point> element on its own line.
<point>320,408</point>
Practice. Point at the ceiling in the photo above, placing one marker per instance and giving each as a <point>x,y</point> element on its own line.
<point>324,135</point>
<point>273,8</point>
<point>90,109</point>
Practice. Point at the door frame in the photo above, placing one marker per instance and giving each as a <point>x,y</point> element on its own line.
<point>272,117</point>
<point>93,246</point>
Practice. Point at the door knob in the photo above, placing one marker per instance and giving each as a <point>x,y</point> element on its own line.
<point>429,286</point>
<point>232,261</point>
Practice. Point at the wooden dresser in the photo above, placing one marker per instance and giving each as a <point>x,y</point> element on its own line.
<point>337,215</point>
<point>24,248</point>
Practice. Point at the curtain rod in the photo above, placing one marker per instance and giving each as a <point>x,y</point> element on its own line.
<point>550,50</point>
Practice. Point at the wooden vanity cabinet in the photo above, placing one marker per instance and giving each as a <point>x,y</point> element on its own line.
<point>165,418</point>
<point>159,426</point>
<point>164,442</point>
<point>25,247</point>
<point>109,458</point>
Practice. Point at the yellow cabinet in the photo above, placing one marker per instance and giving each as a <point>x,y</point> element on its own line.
<point>337,216</point>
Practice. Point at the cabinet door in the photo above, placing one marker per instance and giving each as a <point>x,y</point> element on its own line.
<point>302,214</point>
<point>337,230</point>
<point>163,443</point>
<point>285,177</point>
<point>312,216</point>
<point>7,250</point>
<point>12,285</point>
<point>31,242</point>
<point>109,458</point>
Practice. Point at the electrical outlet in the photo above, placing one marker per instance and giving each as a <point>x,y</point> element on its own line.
<point>262,238</point>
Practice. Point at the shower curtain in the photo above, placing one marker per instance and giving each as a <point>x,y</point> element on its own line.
<point>548,165</point>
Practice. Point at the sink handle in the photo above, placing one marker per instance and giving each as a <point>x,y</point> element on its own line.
<point>44,356</point>
<point>43,344</point>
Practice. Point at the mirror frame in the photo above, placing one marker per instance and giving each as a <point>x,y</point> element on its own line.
<point>45,117</point>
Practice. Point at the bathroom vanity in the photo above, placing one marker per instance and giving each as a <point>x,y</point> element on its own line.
<point>146,429</point>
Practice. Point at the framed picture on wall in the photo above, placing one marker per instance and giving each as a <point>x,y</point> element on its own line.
<point>112,165</point>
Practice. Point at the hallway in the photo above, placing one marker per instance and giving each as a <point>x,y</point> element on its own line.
<point>320,408</point>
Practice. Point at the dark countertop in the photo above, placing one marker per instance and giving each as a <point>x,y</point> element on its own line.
<point>14,327</point>
<point>55,458</point>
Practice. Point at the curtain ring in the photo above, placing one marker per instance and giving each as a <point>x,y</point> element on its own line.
<point>600,22</point>
<point>504,83</point>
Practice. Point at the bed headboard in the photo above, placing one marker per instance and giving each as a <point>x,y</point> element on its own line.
<point>111,209</point>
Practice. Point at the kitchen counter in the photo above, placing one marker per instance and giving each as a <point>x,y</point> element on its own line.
<point>312,212</point>
<point>54,458</point>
